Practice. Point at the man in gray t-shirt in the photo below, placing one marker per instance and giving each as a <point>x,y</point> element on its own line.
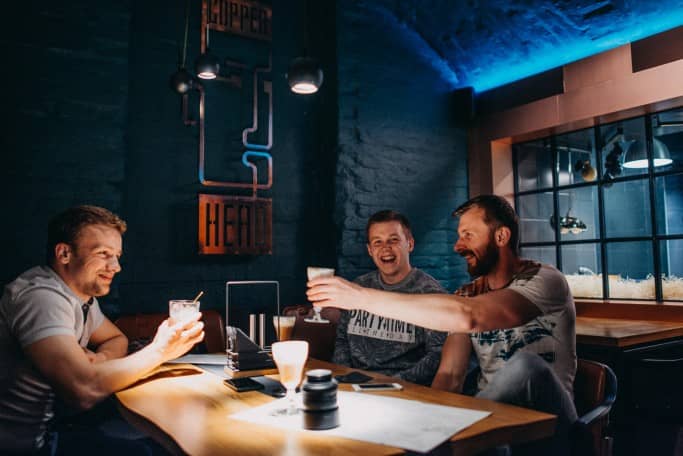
<point>55,343</point>
<point>392,347</point>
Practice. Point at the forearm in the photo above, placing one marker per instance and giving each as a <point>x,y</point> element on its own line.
<point>448,381</point>
<point>455,356</point>
<point>116,347</point>
<point>439,312</point>
<point>116,374</point>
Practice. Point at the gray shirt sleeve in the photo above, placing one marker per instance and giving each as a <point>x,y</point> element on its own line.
<point>342,351</point>
<point>41,313</point>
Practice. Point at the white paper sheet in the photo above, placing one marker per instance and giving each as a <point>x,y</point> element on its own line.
<point>411,425</point>
<point>214,359</point>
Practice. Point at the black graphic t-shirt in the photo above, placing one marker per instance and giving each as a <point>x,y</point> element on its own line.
<point>552,335</point>
<point>392,347</point>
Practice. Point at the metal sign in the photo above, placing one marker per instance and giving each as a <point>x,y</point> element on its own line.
<point>235,225</point>
<point>246,18</point>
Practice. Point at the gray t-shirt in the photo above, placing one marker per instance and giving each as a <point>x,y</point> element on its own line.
<point>552,335</point>
<point>392,347</point>
<point>38,304</point>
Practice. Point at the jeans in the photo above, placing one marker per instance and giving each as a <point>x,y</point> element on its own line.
<point>528,381</point>
<point>104,432</point>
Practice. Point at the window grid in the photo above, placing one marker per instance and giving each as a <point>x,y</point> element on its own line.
<point>603,240</point>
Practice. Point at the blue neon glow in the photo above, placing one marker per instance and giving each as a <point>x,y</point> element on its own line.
<point>503,72</point>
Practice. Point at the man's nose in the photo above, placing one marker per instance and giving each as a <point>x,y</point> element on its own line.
<point>114,264</point>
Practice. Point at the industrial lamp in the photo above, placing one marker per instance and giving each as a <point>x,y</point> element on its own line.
<point>182,81</point>
<point>304,75</point>
<point>636,155</point>
<point>207,65</point>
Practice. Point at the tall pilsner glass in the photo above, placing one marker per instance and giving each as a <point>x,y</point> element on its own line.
<point>290,358</point>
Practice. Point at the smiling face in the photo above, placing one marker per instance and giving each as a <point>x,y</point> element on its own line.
<point>389,246</point>
<point>89,265</point>
<point>476,243</point>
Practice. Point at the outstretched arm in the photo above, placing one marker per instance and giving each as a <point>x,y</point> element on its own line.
<point>497,309</point>
<point>82,383</point>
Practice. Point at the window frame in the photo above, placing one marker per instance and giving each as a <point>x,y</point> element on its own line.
<point>602,240</point>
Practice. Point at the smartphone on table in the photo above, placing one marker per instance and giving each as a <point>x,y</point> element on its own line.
<point>376,387</point>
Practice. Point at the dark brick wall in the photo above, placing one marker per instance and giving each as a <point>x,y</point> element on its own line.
<point>89,118</point>
<point>64,102</point>
<point>92,120</point>
<point>400,146</point>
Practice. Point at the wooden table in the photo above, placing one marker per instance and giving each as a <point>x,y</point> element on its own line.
<point>188,411</point>
<point>624,333</point>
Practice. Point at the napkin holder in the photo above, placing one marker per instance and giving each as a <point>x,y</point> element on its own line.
<point>245,357</point>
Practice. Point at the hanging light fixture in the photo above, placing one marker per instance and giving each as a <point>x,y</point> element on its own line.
<point>304,74</point>
<point>636,155</point>
<point>207,65</point>
<point>182,81</point>
<point>569,223</point>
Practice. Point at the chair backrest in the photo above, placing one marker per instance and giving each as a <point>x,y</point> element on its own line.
<point>595,390</point>
<point>320,336</point>
<point>589,385</point>
<point>140,329</point>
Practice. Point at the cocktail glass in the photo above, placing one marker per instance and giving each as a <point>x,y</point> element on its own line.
<point>290,357</point>
<point>182,309</point>
<point>313,273</point>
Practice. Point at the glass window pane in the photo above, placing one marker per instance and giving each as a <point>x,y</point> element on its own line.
<point>630,266</point>
<point>534,165</point>
<point>545,255</point>
<point>671,264</point>
<point>627,209</point>
<point>579,216</point>
<point>534,213</point>
<point>669,204</point>
<point>582,267</point>
<point>620,141</point>
<point>576,160</point>
<point>667,129</point>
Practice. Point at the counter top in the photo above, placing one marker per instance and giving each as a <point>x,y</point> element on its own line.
<point>613,332</point>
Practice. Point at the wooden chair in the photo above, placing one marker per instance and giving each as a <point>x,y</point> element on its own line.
<point>595,390</point>
<point>320,336</point>
<point>140,330</point>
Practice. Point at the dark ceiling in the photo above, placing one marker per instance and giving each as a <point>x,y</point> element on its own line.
<point>486,44</point>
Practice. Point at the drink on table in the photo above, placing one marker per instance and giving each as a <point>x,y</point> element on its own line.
<point>284,327</point>
<point>290,358</point>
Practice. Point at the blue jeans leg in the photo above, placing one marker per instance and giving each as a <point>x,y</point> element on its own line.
<point>528,381</point>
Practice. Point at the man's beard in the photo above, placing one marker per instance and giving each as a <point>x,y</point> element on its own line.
<point>485,263</point>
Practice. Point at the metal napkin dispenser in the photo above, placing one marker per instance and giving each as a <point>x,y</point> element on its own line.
<point>244,354</point>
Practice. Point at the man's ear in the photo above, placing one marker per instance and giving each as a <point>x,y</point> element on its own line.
<point>411,244</point>
<point>62,253</point>
<point>369,251</point>
<point>502,236</point>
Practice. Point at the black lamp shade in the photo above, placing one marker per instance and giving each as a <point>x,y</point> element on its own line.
<point>207,66</point>
<point>304,75</point>
<point>181,81</point>
<point>636,156</point>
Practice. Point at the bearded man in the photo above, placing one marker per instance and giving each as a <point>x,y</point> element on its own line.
<point>518,316</point>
